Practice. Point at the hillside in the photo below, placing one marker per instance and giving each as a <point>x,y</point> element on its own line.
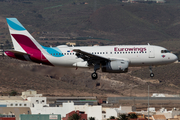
<point>97,22</point>
<point>20,76</point>
<point>121,23</point>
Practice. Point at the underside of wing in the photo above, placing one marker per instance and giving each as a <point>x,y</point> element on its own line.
<point>106,64</point>
<point>89,57</point>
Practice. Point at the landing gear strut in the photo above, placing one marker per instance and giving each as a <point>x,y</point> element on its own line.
<point>94,75</point>
<point>151,73</point>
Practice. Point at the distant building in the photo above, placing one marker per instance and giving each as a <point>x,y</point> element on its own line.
<point>163,111</point>
<point>39,117</point>
<point>177,116</point>
<point>91,111</point>
<point>116,111</point>
<point>32,103</point>
<point>144,1</point>
<point>82,114</point>
<point>160,1</point>
<point>163,95</point>
<point>158,117</point>
<point>151,109</point>
<point>76,100</point>
<point>30,93</point>
<point>173,119</point>
<point>7,117</point>
<point>70,43</point>
<point>176,113</point>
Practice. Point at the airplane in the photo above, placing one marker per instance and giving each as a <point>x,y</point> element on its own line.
<point>112,59</point>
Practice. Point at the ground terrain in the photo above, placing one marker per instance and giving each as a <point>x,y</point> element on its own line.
<point>57,81</point>
<point>102,22</point>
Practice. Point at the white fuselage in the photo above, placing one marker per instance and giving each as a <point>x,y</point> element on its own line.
<point>137,55</point>
<point>108,58</point>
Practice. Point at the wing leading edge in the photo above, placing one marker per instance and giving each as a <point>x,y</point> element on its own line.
<point>89,56</point>
<point>119,65</point>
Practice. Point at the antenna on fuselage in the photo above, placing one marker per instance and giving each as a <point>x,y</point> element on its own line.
<point>148,44</point>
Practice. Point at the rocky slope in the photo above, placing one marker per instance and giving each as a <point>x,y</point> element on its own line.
<point>57,81</point>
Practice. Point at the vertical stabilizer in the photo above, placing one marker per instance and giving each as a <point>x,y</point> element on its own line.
<point>25,46</point>
<point>21,38</point>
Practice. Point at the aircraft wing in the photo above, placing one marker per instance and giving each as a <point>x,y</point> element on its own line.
<point>89,56</point>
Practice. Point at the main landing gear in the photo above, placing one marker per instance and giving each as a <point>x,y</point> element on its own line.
<point>94,75</point>
<point>151,73</point>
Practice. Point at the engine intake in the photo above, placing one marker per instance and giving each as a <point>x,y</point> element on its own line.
<point>115,67</point>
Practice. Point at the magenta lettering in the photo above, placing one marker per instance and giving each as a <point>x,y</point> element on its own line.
<point>130,49</point>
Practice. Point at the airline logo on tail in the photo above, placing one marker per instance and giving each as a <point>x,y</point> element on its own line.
<point>15,24</point>
<point>25,46</point>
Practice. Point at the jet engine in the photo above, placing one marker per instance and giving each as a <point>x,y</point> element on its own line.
<point>115,67</point>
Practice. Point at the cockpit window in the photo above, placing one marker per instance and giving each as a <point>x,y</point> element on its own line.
<point>165,51</point>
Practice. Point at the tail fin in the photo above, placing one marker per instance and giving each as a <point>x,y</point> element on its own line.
<point>21,38</point>
<point>25,46</point>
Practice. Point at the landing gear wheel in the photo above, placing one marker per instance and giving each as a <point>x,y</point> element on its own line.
<point>151,75</point>
<point>94,75</point>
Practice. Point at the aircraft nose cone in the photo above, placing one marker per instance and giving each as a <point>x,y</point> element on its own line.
<point>174,57</point>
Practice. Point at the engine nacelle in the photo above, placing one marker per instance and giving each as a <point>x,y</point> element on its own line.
<point>116,67</point>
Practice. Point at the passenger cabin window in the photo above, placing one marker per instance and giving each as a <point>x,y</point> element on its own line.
<point>165,51</point>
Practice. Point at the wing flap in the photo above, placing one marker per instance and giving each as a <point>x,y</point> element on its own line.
<point>16,52</point>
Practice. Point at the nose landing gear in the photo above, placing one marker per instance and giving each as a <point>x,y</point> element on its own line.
<point>151,73</point>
